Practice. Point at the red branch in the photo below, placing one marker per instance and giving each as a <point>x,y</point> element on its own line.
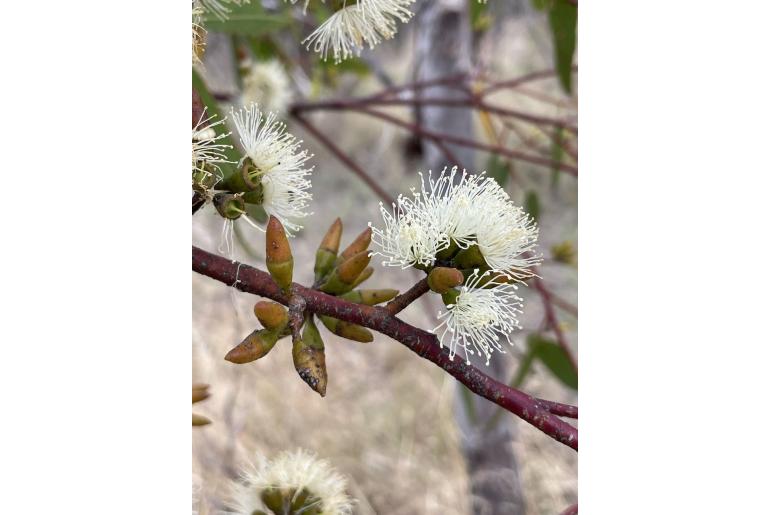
<point>398,304</point>
<point>342,156</point>
<point>424,344</point>
<point>449,138</point>
<point>553,322</point>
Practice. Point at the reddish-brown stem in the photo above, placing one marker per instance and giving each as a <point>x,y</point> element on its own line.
<point>449,138</point>
<point>563,304</point>
<point>468,103</point>
<point>342,156</point>
<point>423,343</point>
<point>518,81</point>
<point>402,301</point>
<point>553,322</point>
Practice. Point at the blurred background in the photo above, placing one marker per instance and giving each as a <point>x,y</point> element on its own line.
<point>410,438</point>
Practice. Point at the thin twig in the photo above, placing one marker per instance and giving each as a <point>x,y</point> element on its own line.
<point>449,138</point>
<point>423,343</point>
<point>342,156</point>
<point>402,301</point>
<point>553,322</point>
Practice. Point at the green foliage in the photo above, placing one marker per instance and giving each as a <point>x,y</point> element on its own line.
<point>247,20</point>
<point>498,169</point>
<point>562,19</point>
<point>532,204</point>
<point>554,358</point>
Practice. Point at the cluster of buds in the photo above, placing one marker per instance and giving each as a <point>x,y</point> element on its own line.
<point>336,273</point>
<point>200,392</point>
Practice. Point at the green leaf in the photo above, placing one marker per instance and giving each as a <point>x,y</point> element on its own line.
<point>247,20</point>
<point>498,170</point>
<point>213,109</point>
<point>532,204</point>
<point>554,358</point>
<point>563,21</point>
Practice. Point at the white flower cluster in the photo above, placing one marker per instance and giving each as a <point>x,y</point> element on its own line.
<point>293,472</point>
<point>267,84</point>
<point>456,213</point>
<point>279,162</point>
<point>358,24</point>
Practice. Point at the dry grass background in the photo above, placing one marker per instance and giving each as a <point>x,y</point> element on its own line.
<point>387,420</point>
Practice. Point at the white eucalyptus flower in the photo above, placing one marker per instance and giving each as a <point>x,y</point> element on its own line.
<point>480,317</point>
<point>407,239</point>
<point>267,84</point>
<point>310,484</point>
<point>365,22</point>
<point>279,165</point>
<point>207,150</point>
<point>482,213</point>
<point>471,210</point>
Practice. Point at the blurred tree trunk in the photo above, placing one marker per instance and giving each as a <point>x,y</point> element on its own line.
<point>444,46</point>
<point>444,49</point>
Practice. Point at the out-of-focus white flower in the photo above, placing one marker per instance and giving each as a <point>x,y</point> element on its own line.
<point>365,22</point>
<point>300,478</point>
<point>207,151</point>
<point>480,317</point>
<point>278,165</point>
<point>267,84</point>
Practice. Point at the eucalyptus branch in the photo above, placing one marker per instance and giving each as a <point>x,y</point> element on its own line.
<point>398,304</point>
<point>466,142</point>
<point>553,322</point>
<point>342,156</point>
<point>534,411</point>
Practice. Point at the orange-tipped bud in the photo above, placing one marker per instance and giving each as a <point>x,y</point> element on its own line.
<point>370,297</point>
<point>441,279</point>
<point>360,244</point>
<point>343,277</point>
<point>326,255</point>
<point>349,270</point>
<point>200,392</point>
<point>363,276</point>
<point>271,315</point>
<point>347,330</point>
<point>331,241</point>
<point>253,347</point>
<point>200,420</point>
<point>280,262</point>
